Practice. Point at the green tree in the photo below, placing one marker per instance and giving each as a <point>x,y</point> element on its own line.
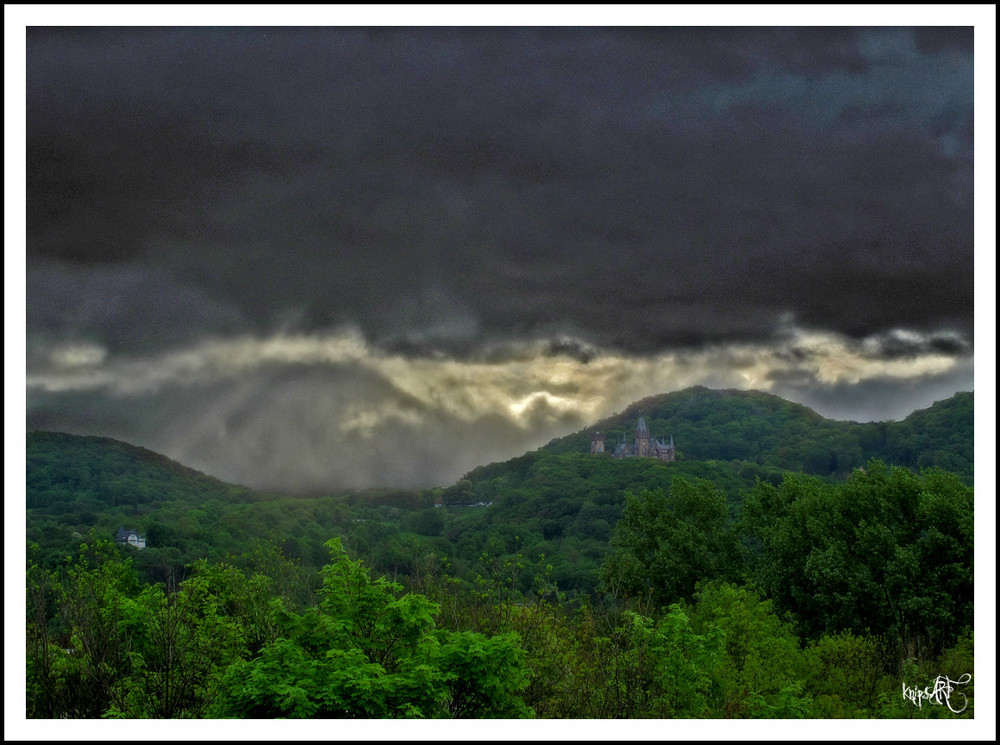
<point>430,522</point>
<point>761,670</point>
<point>42,687</point>
<point>182,643</point>
<point>665,544</point>
<point>844,675</point>
<point>888,552</point>
<point>370,650</point>
<point>97,606</point>
<point>484,675</point>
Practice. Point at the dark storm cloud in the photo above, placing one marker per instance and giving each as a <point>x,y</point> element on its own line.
<point>303,428</point>
<point>309,258</point>
<point>315,412</point>
<point>887,347</point>
<point>898,345</point>
<point>444,188</point>
<point>942,38</point>
<point>874,399</point>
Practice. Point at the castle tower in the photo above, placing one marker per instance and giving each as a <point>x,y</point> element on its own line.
<point>664,451</point>
<point>596,442</point>
<point>641,438</point>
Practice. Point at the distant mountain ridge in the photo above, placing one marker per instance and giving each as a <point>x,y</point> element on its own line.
<point>65,467</point>
<point>708,424</point>
<point>558,500</point>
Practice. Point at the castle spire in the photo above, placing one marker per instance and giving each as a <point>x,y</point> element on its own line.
<point>641,429</point>
<point>597,442</point>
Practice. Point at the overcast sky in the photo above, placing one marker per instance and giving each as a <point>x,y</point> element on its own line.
<point>314,258</point>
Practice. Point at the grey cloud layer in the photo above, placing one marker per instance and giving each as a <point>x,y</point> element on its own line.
<point>439,188</point>
<point>310,258</point>
<point>318,412</point>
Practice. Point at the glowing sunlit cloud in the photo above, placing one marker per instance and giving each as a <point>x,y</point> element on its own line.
<point>510,387</point>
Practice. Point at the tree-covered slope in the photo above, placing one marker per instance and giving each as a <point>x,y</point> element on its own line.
<point>564,507</point>
<point>66,471</point>
<point>770,431</point>
<point>940,436</point>
<point>559,502</point>
<point>622,579</point>
<point>78,487</point>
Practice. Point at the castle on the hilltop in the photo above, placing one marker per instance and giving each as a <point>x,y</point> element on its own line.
<point>644,447</point>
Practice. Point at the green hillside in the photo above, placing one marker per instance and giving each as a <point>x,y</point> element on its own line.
<point>558,502</point>
<point>940,436</point>
<point>563,508</point>
<point>558,583</point>
<point>72,472</point>
<point>85,488</point>
<point>769,431</point>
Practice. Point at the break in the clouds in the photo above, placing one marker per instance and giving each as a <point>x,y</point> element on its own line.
<point>484,209</point>
<point>325,411</point>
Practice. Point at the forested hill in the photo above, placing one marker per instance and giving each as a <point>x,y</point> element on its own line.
<point>559,500</point>
<point>66,470</point>
<point>757,427</point>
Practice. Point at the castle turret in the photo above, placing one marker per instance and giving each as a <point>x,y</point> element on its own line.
<point>662,450</point>
<point>640,428</point>
<point>641,438</point>
<point>597,442</point>
<point>645,445</point>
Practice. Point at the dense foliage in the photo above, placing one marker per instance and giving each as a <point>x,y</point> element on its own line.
<point>666,543</point>
<point>561,507</point>
<point>771,432</point>
<point>889,552</point>
<point>227,644</point>
<point>557,584</point>
<point>230,643</point>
